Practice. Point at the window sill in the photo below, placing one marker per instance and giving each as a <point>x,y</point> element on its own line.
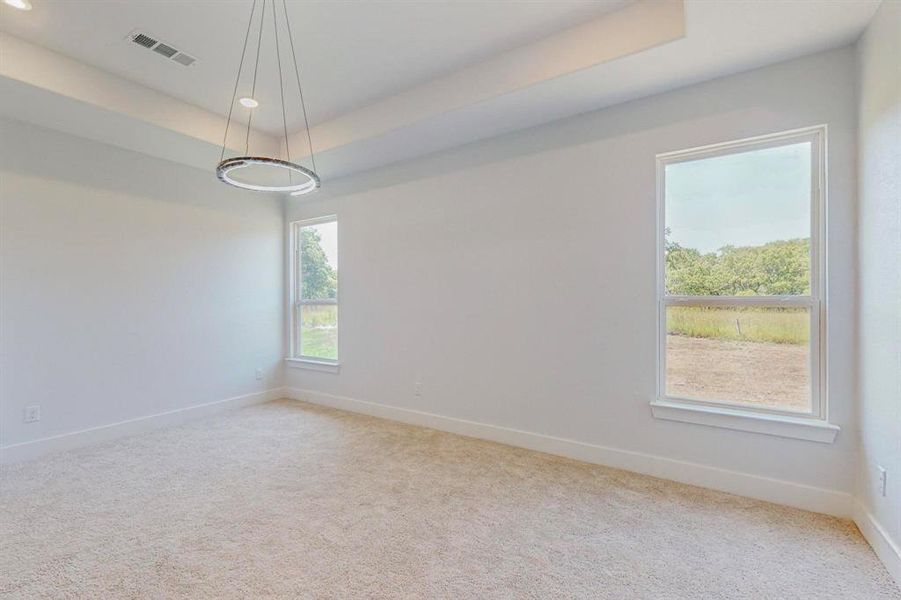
<point>799,428</point>
<point>313,365</point>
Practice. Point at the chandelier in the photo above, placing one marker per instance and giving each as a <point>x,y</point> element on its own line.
<point>284,175</point>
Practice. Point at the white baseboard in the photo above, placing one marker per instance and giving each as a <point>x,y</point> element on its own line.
<point>888,551</point>
<point>811,498</point>
<point>76,439</point>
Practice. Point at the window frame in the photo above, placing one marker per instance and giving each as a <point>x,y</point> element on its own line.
<point>711,412</point>
<point>296,300</point>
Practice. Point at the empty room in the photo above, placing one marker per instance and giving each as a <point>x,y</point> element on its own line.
<point>483,299</point>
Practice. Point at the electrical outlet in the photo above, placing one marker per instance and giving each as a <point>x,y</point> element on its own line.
<point>32,413</point>
<point>881,482</point>
<point>259,374</point>
<point>417,388</point>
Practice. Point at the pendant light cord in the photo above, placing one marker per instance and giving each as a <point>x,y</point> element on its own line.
<point>299,86</point>
<point>281,87</point>
<point>231,106</point>
<point>256,68</point>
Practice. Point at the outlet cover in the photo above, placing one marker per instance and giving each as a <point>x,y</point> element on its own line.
<point>32,413</point>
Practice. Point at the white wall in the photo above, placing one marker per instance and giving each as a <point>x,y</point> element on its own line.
<point>447,262</point>
<point>879,258</point>
<point>130,286</point>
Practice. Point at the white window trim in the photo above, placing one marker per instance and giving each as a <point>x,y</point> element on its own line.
<point>294,359</point>
<point>814,425</point>
<point>313,365</point>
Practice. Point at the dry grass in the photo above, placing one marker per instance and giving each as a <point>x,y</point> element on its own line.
<point>778,325</point>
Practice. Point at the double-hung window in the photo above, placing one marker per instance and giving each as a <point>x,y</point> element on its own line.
<point>740,282</point>
<point>314,293</point>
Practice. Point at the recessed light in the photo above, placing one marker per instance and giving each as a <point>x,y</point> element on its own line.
<point>249,102</point>
<point>20,4</point>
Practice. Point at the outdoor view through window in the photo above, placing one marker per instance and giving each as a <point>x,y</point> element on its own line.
<point>737,303</point>
<point>316,295</point>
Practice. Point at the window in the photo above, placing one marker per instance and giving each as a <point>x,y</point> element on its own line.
<point>314,318</point>
<point>740,277</point>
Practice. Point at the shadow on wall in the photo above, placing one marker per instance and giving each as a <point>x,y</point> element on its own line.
<point>630,119</point>
<point>119,170</point>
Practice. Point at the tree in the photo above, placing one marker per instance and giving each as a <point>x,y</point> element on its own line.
<point>690,273</point>
<point>320,280</point>
<point>777,268</point>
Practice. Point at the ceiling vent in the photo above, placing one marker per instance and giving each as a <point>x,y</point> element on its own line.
<point>163,49</point>
<point>144,40</point>
<point>167,51</point>
<point>183,59</point>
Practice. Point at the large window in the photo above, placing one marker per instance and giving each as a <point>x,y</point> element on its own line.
<point>740,275</point>
<point>315,290</point>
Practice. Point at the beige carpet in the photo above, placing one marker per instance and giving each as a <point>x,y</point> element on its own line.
<point>287,500</point>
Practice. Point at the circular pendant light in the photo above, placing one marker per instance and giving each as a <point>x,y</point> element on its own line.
<point>300,179</point>
<point>309,181</point>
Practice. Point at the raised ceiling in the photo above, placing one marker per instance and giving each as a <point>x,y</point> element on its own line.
<point>386,81</point>
<point>351,53</point>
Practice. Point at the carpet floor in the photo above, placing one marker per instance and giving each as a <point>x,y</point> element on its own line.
<point>287,500</point>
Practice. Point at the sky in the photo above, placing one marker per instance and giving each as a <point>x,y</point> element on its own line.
<point>328,233</point>
<point>745,199</point>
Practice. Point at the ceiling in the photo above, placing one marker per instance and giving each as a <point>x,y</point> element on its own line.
<point>385,81</point>
<point>350,53</point>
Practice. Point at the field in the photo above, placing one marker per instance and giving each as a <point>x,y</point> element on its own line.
<point>753,373</point>
<point>776,325</point>
<point>756,356</point>
<point>319,332</point>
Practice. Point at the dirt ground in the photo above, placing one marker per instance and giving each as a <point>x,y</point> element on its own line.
<point>758,373</point>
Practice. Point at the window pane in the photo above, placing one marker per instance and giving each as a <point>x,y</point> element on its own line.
<point>739,224</point>
<point>319,331</point>
<point>751,356</point>
<point>319,261</point>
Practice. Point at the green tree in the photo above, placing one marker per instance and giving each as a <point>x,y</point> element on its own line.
<point>777,268</point>
<point>320,280</point>
<point>690,273</point>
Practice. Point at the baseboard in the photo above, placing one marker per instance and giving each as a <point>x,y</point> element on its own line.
<point>888,551</point>
<point>811,498</point>
<point>85,437</point>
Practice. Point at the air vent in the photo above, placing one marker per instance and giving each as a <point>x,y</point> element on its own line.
<point>163,49</point>
<point>167,51</point>
<point>144,40</point>
<point>183,59</point>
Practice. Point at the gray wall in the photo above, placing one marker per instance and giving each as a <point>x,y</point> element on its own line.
<point>879,248</point>
<point>129,286</point>
<point>447,262</point>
